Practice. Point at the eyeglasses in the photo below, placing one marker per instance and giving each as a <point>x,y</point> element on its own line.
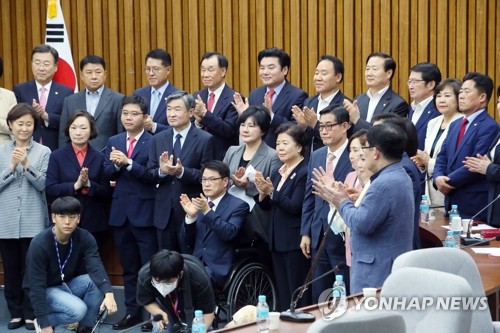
<point>210,180</point>
<point>414,81</point>
<point>328,127</point>
<point>133,113</point>
<point>45,64</point>
<point>154,70</point>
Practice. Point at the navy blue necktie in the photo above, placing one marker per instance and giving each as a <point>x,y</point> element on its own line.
<point>177,148</point>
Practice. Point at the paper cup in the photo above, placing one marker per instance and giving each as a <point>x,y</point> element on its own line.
<point>465,225</point>
<point>274,320</point>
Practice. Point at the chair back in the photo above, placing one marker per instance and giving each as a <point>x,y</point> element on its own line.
<point>361,322</point>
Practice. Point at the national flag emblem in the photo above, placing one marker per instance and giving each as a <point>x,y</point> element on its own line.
<point>57,36</point>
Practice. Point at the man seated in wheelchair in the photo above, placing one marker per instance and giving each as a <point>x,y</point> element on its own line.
<point>174,286</point>
<point>212,222</point>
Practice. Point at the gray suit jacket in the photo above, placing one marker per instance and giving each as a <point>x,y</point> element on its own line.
<point>265,160</point>
<point>107,116</point>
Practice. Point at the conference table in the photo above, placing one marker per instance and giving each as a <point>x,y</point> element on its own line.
<point>432,235</point>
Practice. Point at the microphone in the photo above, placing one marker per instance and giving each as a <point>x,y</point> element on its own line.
<point>484,241</point>
<point>468,240</point>
<point>157,317</point>
<point>301,316</point>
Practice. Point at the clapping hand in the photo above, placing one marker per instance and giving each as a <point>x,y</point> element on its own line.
<point>239,178</point>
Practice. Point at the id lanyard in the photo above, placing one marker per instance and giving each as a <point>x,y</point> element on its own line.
<point>61,267</point>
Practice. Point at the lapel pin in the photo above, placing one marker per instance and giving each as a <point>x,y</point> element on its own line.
<point>57,93</point>
<point>384,105</point>
<point>293,176</point>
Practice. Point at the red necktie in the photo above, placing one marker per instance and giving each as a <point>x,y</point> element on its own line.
<point>270,93</point>
<point>461,132</point>
<point>210,102</point>
<point>130,149</point>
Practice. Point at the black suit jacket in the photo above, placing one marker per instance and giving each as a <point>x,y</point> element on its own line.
<point>389,103</point>
<point>282,106</point>
<point>160,116</point>
<point>27,92</point>
<point>312,102</point>
<point>222,122</point>
<point>493,177</point>
<point>429,113</point>
<point>198,148</point>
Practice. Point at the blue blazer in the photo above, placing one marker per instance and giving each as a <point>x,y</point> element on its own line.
<point>198,148</point>
<point>471,189</point>
<point>283,228</point>
<point>493,177</point>
<point>381,227</point>
<point>134,193</point>
<point>107,116</point>
<point>222,122</point>
<point>429,113</point>
<point>62,173</point>
<point>213,235</point>
<point>282,106</point>
<point>389,103</point>
<point>315,210</point>
<point>160,117</point>
<point>27,92</point>
<point>312,102</point>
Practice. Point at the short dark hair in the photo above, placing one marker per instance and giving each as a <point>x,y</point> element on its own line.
<point>220,167</point>
<point>137,100</point>
<point>1,66</point>
<point>66,206</point>
<point>483,83</point>
<point>407,126</point>
<point>430,72</point>
<point>455,86</point>
<point>186,97</point>
<point>166,265</point>
<point>20,110</point>
<point>85,114</point>
<point>92,59</point>
<point>221,59</point>
<point>160,54</point>
<point>341,114</point>
<point>46,49</point>
<point>283,57</point>
<point>389,138</point>
<point>360,135</point>
<point>296,133</point>
<point>260,115</point>
<point>338,65</point>
<point>389,63</point>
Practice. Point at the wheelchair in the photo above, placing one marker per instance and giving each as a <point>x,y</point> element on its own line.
<point>250,277</point>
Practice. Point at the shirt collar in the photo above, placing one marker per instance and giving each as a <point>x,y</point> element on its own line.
<point>285,172</point>
<point>278,88</point>
<point>379,93</point>
<point>217,91</point>
<point>423,104</point>
<point>161,89</point>
<point>135,137</point>
<point>216,201</point>
<point>98,91</point>
<point>339,151</point>
<point>82,151</point>
<point>473,116</point>
<point>329,99</point>
<point>47,86</point>
<point>184,132</point>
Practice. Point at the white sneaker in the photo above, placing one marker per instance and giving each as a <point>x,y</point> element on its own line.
<point>38,329</point>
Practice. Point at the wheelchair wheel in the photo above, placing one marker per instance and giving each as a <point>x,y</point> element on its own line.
<point>253,280</point>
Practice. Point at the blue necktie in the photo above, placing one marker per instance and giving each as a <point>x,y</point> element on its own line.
<point>177,147</point>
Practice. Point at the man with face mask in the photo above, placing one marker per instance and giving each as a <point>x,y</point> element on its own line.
<point>174,285</point>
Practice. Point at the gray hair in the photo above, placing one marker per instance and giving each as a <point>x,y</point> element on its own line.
<point>188,99</point>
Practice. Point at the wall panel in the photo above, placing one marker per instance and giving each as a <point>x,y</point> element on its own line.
<point>459,35</point>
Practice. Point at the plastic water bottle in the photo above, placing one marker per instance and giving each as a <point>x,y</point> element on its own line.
<point>262,315</point>
<point>450,240</point>
<point>340,292</point>
<point>455,224</point>
<point>198,323</point>
<point>424,209</point>
<point>453,212</point>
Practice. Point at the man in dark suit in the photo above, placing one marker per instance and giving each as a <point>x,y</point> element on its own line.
<point>45,95</point>
<point>277,93</point>
<point>132,208</point>
<point>424,77</point>
<point>328,76</point>
<point>380,98</point>
<point>334,158</point>
<point>175,159</point>
<point>101,102</point>
<point>468,136</point>
<point>157,69</point>
<point>212,222</point>
<point>214,111</point>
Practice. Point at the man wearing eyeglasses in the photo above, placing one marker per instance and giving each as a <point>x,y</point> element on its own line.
<point>157,70</point>
<point>44,94</point>
<point>334,159</point>
<point>212,222</point>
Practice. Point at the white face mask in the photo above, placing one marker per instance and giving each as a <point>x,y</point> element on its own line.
<point>164,288</point>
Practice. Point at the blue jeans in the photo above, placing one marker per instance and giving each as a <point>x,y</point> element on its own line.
<point>77,300</point>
